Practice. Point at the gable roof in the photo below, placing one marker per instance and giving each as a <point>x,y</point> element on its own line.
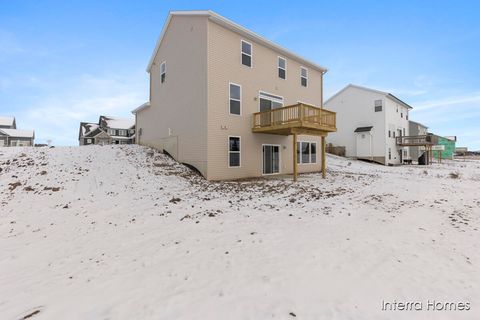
<point>363,129</point>
<point>7,121</point>
<point>420,124</point>
<point>386,94</point>
<point>86,128</point>
<point>117,123</point>
<point>19,133</point>
<point>215,17</point>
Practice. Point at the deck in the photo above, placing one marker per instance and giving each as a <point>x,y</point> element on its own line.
<point>412,141</point>
<point>298,118</point>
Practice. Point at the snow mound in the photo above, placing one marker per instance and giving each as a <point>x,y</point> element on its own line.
<point>125,232</point>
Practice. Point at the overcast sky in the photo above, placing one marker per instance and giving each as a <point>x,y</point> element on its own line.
<point>62,62</point>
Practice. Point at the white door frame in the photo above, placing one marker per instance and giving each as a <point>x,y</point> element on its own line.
<point>279,158</point>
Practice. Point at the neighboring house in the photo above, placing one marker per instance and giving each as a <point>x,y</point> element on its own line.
<point>449,143</point>
<point>108,130</point>
<point>369,121</point>
<point>417,129</point>
<point>12,137</point>
<point>231,103</point>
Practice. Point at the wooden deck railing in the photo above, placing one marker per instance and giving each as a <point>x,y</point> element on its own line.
<point>416,140</point>
<point>298,115</point>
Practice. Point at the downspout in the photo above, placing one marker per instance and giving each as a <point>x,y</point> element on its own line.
<point>371,145</point>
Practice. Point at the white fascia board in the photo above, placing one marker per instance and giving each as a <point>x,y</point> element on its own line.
<point>236,28</point>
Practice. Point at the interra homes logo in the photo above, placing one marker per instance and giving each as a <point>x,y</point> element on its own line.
<point>429,305</point>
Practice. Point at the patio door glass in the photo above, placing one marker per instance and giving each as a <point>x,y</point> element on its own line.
<point>267,103</point>
<point>271,159</point>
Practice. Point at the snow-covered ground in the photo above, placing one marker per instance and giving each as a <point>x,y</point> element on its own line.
<point>117,233</point>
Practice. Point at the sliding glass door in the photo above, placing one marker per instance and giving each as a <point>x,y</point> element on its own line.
<point>271,159</point>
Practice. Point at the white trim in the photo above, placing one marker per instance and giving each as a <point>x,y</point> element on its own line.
<point>386,94</point>
<point>242,53</point>
<point>230,98</point>
<point>235,28</point>
<point>279,158</point>
<point>284,69</point>
<point>239,152</point>
<point>309,152</point>
<point>164,63</point>
<point>282,100</point>
<point>301,77</point>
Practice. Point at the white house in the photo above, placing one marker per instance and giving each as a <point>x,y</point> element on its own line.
<point>368,121</point>
<point>10,136</point>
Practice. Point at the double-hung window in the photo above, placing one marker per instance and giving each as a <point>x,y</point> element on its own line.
<point>282,68</point>
<point>306,152</point>
<point>378,105</point>
<point>303,76</point>
<point>163,71</point>
<point>246,53</point>
<point>235,99</point>
<point>122,132</point>
<point>111,132</point>
<point>234,151</point>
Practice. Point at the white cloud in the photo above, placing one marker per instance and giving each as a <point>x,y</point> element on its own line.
<point>57,115</point>
<point>466,100</point>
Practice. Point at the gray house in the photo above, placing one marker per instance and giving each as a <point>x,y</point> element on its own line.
<point>108,130</point>
<point>416,129</point>
<point>10,136</point>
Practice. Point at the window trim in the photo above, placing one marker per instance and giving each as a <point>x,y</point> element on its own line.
<point>279,158</point>
<point>230,98</point>
<point>280,68</point>
<point>164,63</point>
<point>266,94</point>
<point>310,142</point>
<point>375,105</point>
<point>242,53</point>
<point>120,131</point>
<point>301,77</point>
<point>239,152</point>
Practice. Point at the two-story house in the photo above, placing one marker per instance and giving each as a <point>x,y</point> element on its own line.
<point>232,103</point>
<point>369,123</point>
<point>108,130</point>
<point>11,136</point>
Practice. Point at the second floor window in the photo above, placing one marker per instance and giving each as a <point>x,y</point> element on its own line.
<point>111,132</point>
<point>303,76</point>
<point>122,132</point>
<point>282,68</point>
<point>163,71</point>
<point>246,54</point>
<point>131,131</point>
<point>235,99</point>
<point>378,105</point>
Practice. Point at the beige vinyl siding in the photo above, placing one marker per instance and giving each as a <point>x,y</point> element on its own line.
<point>224,67</point>
<point>176,120</point>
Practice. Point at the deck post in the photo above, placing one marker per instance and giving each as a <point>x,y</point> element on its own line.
<point>295,165</point>
<point>324,165</point>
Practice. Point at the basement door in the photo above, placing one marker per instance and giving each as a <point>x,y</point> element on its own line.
<point>271,159</point>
